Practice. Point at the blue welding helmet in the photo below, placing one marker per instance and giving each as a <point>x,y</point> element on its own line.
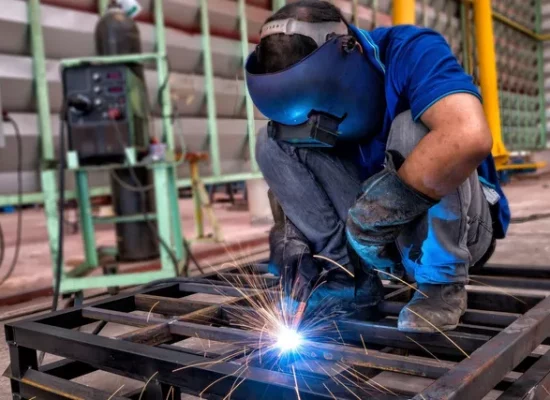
<point>334,93</point>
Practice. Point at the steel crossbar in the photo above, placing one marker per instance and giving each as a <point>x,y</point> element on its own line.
<point>497,343</point>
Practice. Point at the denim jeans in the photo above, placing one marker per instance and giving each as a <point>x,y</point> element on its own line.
<point>316,188</point>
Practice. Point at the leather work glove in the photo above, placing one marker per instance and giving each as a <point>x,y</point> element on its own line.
<point>386,206</point>
<point>290,255</point>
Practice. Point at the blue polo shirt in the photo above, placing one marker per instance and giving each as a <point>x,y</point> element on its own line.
<point>419,69</point>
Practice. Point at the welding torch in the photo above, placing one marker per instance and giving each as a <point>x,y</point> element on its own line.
<point>306,273</point>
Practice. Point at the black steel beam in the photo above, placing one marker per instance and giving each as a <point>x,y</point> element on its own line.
<point>48,387</point>
<point>427,368</point>
<point>474,317</point>
<point>179,328</point>
<point>522,271</point>
<point>384,333</point>
<point>67,369</point>
<point>533,384</point>
<point>515,282</point>
<point>169,306</point>
<point>219,289</point>
<point>477,375</point>
<point>141,362</point>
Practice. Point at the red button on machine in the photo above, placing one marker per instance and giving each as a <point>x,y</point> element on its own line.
<point>115,114</point>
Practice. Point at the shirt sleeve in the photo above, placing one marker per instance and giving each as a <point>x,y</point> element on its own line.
<point>424,69</point>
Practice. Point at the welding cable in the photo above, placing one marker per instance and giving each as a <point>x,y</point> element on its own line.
<point>190,257</point>
<point>2,245</point>
<point>60,214</point>
<point>141,189</point>
<point>19,234</point>
<point>175,117</point>
<point>131,188</point>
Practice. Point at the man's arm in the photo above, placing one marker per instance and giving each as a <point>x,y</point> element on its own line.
<point>458,141</point>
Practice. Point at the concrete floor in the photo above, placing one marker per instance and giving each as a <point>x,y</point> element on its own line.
<point>527,243</point>
<point>34,267</point>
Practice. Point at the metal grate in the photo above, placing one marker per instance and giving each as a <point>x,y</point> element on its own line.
<point>520,73</point>
<point>499,332</point>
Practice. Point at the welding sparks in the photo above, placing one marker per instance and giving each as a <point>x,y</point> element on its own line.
<point>277,338</point>
<point>288,339</point>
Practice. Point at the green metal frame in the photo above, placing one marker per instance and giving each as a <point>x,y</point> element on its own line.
<point>540,61</point>
<point>523,114</point>
<point>209,86</point>
<point>167,216</point>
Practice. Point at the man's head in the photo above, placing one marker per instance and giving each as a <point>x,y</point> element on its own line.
<point>313,78</point>
<point>279,51</point>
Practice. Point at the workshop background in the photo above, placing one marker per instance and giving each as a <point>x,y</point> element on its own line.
<point>213,185</point>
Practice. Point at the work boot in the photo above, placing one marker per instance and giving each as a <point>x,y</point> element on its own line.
<point>443,307</point>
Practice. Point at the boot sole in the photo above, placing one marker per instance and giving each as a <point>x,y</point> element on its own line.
<point>425,329</point>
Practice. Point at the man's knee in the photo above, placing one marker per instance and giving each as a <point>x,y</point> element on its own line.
<point>275,159</point>
<point>266,151</point>
<point>405,133</point>
<point>262,146</point>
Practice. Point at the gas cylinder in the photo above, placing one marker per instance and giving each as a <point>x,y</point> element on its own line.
<point>118,34</point>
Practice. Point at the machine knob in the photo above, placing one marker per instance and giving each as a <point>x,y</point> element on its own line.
<point>96,76</point>
<point>97,89</point>
<point>79,104</point>
<point>98,102</point>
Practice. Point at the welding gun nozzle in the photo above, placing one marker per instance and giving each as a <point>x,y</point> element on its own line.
<point>299,314</point>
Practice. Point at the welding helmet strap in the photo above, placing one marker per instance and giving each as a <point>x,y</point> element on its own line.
<point>321,130</point>
<point>319,32</point>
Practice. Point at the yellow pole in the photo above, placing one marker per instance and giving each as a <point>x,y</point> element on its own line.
<point>404,12</point>
<point>485,42</point>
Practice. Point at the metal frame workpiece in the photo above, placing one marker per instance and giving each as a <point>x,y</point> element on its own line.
<point>501,334</point>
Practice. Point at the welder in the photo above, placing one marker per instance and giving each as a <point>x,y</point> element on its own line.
<point>378,157</point>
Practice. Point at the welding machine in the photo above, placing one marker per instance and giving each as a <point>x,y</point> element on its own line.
<point>106,112</point>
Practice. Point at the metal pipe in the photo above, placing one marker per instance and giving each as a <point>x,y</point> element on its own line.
<point>170,171</point>
<point>488,76</point>
<point>209,89</point>
<point>39,198</point>
<point>41,81</point>
<point>118,59</point>
<point>404,12</point>
<point>163,75</point>
<point>277,4</point>
<point>86,220</point>
<point>513,24</point>
<point>250,121</point>
<point>48,178</point>
<point>540,72</point>
<point>102,6</point>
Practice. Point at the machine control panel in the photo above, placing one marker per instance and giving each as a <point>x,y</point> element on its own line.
<point>101,117</point>
<point>95,94</point>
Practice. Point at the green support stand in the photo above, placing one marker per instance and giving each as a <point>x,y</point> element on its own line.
<point>167,216</point>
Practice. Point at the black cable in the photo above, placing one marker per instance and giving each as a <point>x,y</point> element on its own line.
<point>2,245</point>
<point>17,250</point>
<point>60,214</point>
<point>191,257</point>
<point>173,117</point>
<point>139,187</point>
<point>131,188</point>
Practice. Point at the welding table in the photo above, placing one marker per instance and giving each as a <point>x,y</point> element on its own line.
<point>499,332</point>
